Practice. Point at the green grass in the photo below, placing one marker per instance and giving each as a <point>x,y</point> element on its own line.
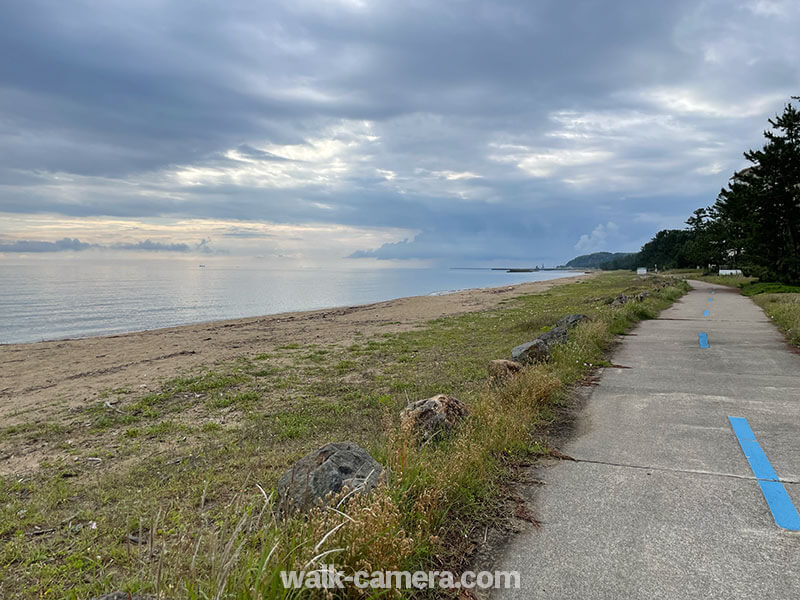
<point>755,288</point>
<point>181,464</point>
<point>750,286</point>
<point>729,280</point>
<point>784,310</point>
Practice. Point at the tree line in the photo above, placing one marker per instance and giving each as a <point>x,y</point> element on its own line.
<point>754,224</point>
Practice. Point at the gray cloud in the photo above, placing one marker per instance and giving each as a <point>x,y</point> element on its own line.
<point>498,131</point>
<point>150,246</point>
<point>74,244</point>
<point>42,246</point>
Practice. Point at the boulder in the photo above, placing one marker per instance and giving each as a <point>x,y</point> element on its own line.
<point>557,335</point>
<point>501,369</point>
<point>572,320</point>
<point>317,477</point>
<point>620,300</point>
<point>431,416</point>
<point>531,353</point>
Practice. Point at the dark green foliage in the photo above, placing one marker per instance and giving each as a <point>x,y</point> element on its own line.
<point>753,289</point>
<point>667,250</point>
<point>598,259</point>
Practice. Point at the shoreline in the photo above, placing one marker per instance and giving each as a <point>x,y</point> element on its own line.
<point>50,321</point>
<point>46,381</point>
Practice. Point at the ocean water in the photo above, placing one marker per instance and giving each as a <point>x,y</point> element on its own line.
<point>47,300</point>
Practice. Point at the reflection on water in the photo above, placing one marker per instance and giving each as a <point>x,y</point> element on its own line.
<point>53,300</point>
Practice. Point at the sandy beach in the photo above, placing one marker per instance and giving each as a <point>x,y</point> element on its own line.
<point>45,381</point>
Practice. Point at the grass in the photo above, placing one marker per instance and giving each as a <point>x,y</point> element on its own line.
<point>767,287</point>
<point>729,280</point>
<point>180,470</point>
<point>784,310</point>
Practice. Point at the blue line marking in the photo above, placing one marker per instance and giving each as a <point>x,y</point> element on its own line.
<point>705,313</point>
<point>703,337</point>
<point>710,299</point>
<point>783,511</point>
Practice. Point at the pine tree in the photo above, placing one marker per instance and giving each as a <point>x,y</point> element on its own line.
<point>756,221</point>
<point>775,181</point>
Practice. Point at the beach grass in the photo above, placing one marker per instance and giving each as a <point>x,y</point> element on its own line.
<point>784,310</point>
<point>168,490</point>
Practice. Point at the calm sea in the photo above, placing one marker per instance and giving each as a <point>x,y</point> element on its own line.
<point>78,298</point>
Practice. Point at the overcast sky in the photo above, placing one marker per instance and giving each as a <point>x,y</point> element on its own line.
<point>458,132</point>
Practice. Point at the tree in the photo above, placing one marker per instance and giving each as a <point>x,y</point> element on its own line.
<point>755,222</point>
<point>667,250</point>
<point>773,187</point>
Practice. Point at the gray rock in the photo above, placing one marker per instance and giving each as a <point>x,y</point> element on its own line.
<point>620,300</point>
<point>501,370</point>
<point>431,416</point>
<point>317,477</point>
<point>557,335</point>
<point>572,320</point>
<point>531,353</point>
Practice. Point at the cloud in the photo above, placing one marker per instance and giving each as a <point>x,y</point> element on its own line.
<point>600,239</point>
<point>473,131</point>
<point>150,246</point>
<point>67,244</point>
<point>42,246</point>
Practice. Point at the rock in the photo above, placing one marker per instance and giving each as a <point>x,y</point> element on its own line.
<point>531,353</point>
<point>620,300</point>
<point>642,296</point>
<point>557,335</point>
<point>431,416</point>
<point>572,320</point>
<point>500,370</point>
<point>318,476</point>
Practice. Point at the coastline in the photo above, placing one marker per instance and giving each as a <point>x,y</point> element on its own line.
<point>46,381</point>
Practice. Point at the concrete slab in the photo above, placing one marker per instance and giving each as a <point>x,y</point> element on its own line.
<point>662,502</point>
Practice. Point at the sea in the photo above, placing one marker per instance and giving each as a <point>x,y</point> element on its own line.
<point>58,299</point>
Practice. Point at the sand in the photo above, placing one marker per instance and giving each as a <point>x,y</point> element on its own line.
<point>45,381</point>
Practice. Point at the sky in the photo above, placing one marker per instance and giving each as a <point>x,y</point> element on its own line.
<point>378,133</point>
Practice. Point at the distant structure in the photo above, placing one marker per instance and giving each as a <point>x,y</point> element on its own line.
<point>641,271</point>
<point>730,271</point>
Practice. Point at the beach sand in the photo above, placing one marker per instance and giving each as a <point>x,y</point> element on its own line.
<point>51,381</point>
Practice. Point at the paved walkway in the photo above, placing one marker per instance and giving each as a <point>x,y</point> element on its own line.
<point>662,502</point>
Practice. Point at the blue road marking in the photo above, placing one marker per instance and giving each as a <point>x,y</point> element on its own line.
<point>705,313</point>
<point>703,337</point>
<point>783,511</point>
<point>710,299</point>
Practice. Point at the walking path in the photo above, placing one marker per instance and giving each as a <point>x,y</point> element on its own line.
<point>662,501</point>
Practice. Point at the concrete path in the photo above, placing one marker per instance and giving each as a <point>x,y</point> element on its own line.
<point>662,502</point>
